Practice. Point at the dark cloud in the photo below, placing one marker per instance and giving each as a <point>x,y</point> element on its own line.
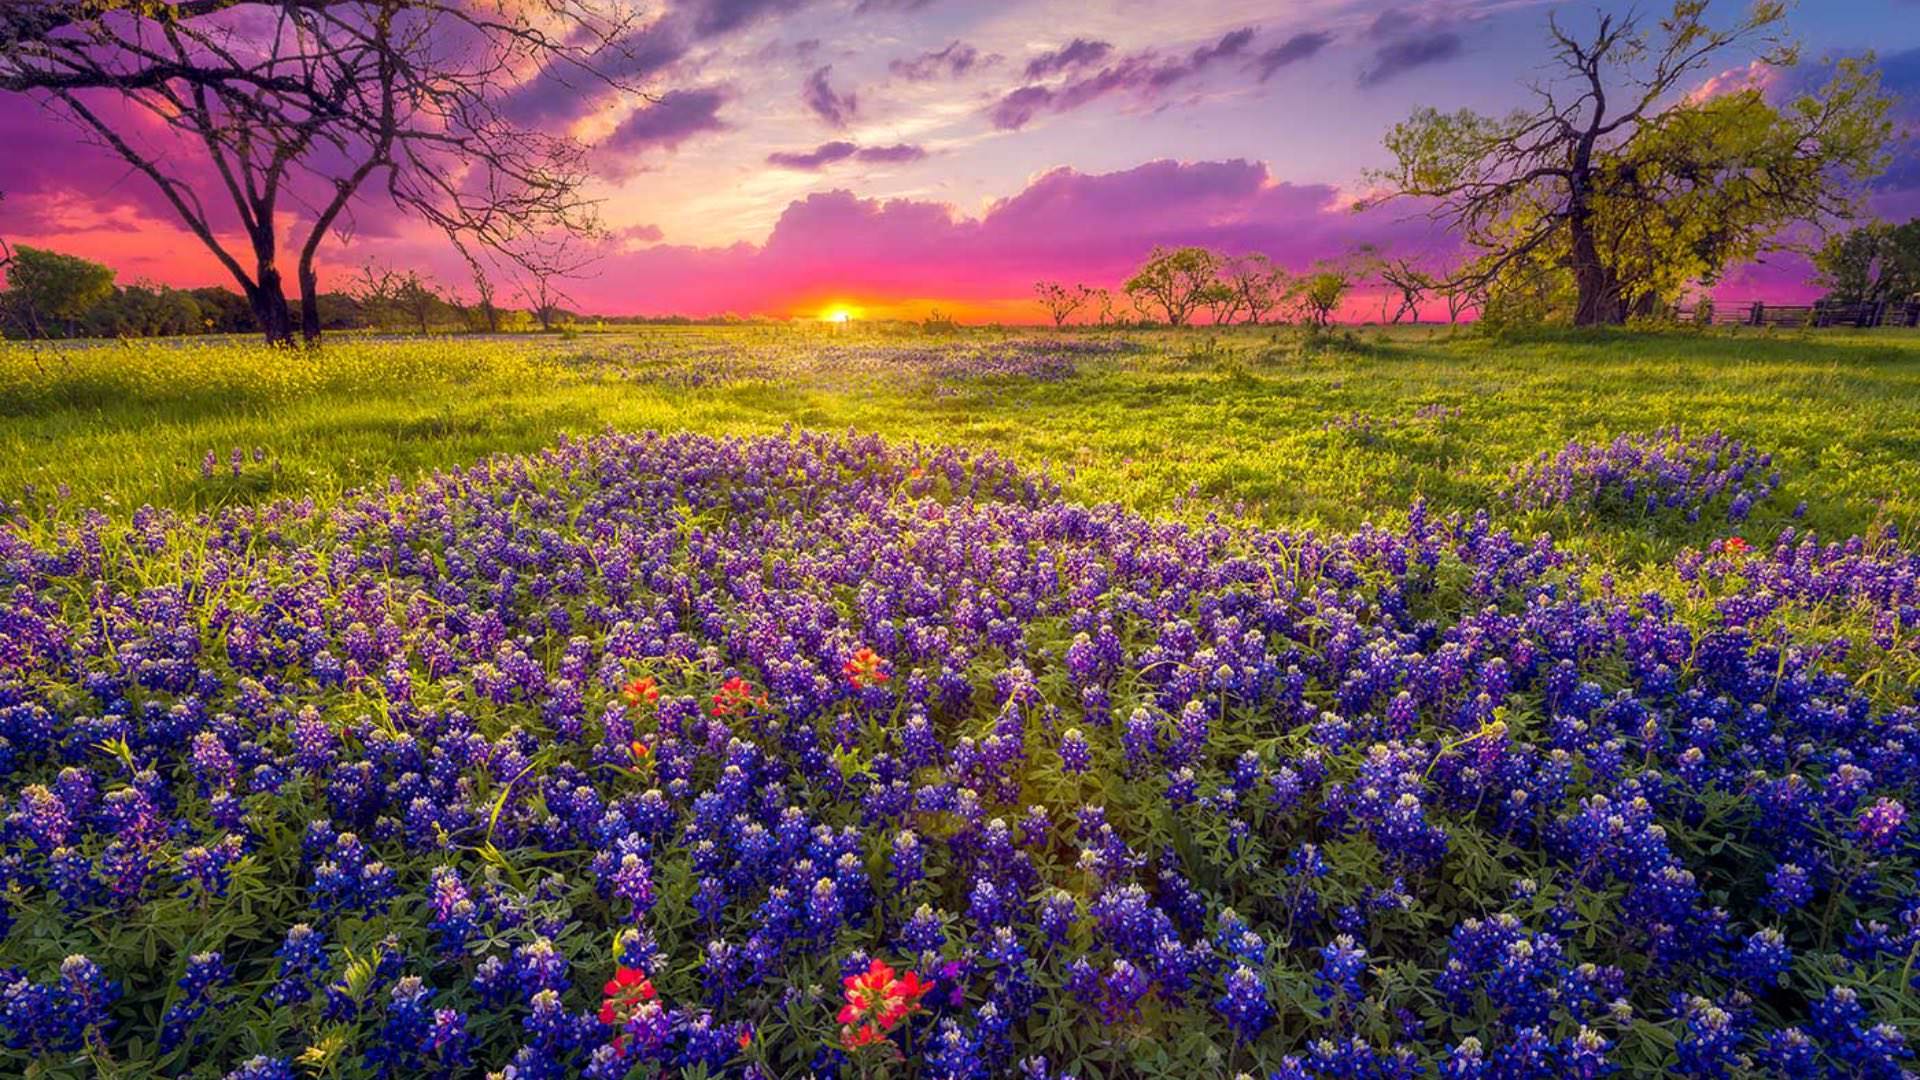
<point>840,150</point>
<point>1396,58</point>
<point>868,6</point>
<point>560,91</point>
<point>955,60</point>
<point>1291,51</point>
<point>1231,45</point>
<point>817,158</point>
<point>1076,53</point>
<point>563,91</point>
<point>1144,73</point>
<point>713,18</point>
<point>676,117</point>
<point>1019,107</point>
<point>895,154</point>
<point>837,109</point>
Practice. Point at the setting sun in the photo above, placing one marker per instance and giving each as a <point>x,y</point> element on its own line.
<point>838,314</point>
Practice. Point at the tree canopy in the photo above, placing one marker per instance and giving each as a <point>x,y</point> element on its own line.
<point>1175,280</point>
<point>1872,264</point>
<point>45,285</point>
<point>1630,185</point>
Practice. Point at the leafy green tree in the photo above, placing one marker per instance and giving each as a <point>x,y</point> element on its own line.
<point>223,311</point>
<point>1631,187</point>
<point>146,310</point>
<point>1175,281</point>
<point>1872,263</point>
<point>46,285</point>
<point>1318,293</point>
<point>1221,301</point>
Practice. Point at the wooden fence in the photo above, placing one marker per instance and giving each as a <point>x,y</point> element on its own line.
<point>1759,313</point>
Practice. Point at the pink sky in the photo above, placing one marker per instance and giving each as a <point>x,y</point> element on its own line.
<point>899,155</point>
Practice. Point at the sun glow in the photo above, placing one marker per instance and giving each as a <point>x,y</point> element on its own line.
<point>838,314</point>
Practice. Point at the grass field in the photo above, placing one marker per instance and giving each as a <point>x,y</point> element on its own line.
<point>1258,422</point>
<point>538,717</point>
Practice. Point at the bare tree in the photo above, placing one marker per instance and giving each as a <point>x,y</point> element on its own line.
<point>1407,280</point>
<point>1061,301</point>
<point>310,103</point>
<point>418,297</point>
<point>377,290</point>
<point>1103,305</point>
<point>1257,282</point>
<point>1461,293</point>
<point>483,288</point>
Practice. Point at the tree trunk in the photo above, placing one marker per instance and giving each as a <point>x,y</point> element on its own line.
<point>270,308</point>
<point>1597,300</point>
<point>309,302</point>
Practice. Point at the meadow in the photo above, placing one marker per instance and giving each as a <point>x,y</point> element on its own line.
<point>785,701</point>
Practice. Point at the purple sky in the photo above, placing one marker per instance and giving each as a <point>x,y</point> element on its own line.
<point>894,155</point>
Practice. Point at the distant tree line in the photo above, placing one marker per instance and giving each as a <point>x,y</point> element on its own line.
<point>1178,286</point>
<point>53,295</point>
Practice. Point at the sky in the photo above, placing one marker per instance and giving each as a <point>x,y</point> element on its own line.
<point>893,157</point>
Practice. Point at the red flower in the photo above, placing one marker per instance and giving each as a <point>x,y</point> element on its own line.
<point>1737,546</point>
<point>641,691</point>
<point>865,668</point>
<point>877,1001</point>
<point>736,695</point>
<point>639,751</point>
<point>623,994</point>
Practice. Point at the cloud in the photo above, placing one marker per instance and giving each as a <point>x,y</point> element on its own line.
<point>775,51</point>
<point>865,7</point>
<point>634,235</point>
<point>562,91</point>
<point>953,61</point>
<point>830,152</point>
<point>679,115</point>
<point>895,154</point>
<point>837,109</point>
<point>1144,73</point>
<point>1075,53</point>
<point>810,160</point>
<point>1291,51</point>
<point>713,18</point>
<point>1396,58</point>
<point>1065,224</point>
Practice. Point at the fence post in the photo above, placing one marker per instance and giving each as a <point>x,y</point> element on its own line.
<point>1759,314</point>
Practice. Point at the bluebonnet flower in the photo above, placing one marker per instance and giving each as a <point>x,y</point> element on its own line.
<point>262,1067</point>
<point>206,973</point>
<point>1342,963</point>
<point>1245,1004</point>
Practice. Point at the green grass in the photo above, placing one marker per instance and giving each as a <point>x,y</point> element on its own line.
<point>1239,419</point>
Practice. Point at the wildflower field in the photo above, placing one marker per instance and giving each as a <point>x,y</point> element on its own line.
<point>781,703</point>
